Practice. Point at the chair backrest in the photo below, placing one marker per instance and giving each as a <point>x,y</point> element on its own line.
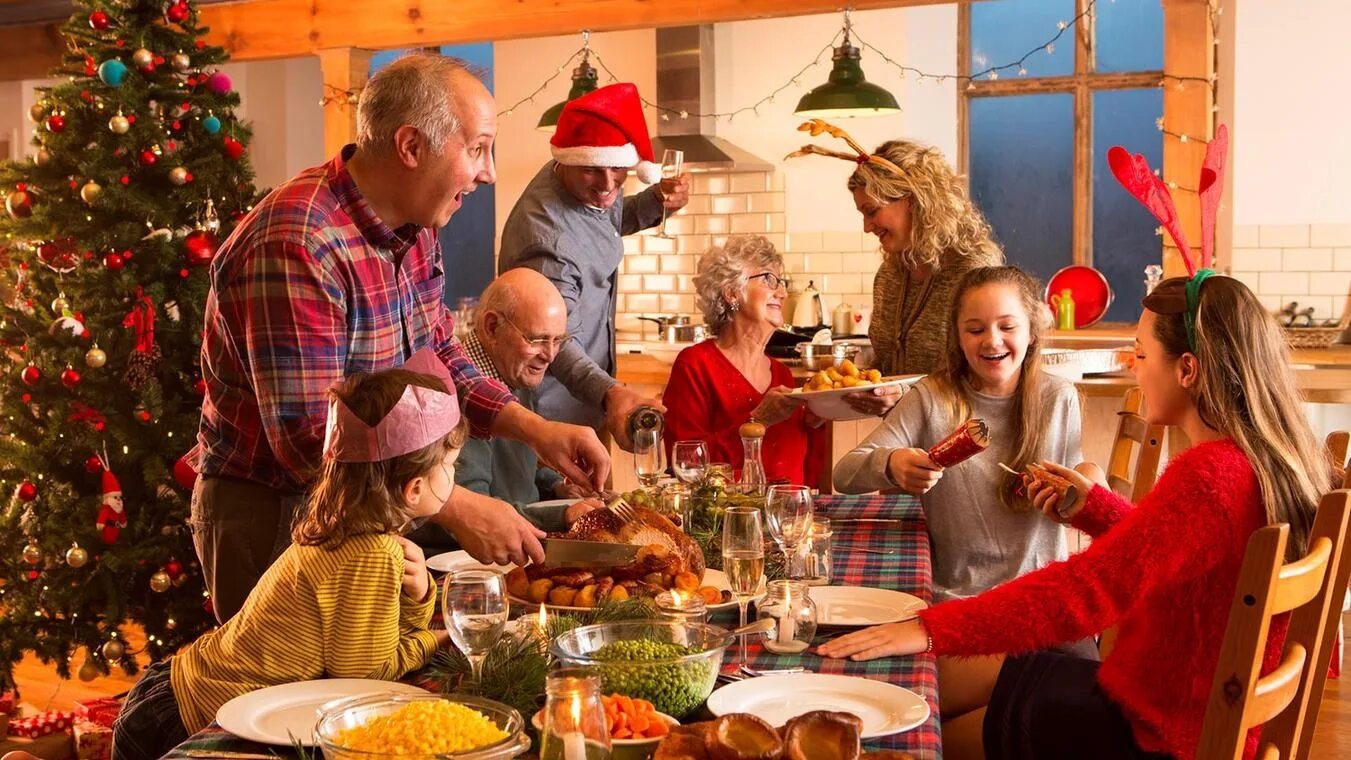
<point>1286,700</point>
<point>1131,430</point>
<point>1337,443</point>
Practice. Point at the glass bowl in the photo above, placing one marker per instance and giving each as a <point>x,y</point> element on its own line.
<point>676,686</point>
<point>340,715</point>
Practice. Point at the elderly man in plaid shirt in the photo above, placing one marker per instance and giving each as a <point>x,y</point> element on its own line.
<point>336,272</point>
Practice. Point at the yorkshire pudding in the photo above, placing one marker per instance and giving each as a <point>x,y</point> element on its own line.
<point>822,735</point>
<point>740,736</point>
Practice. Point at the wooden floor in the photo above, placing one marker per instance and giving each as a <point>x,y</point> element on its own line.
<point>42,689</point>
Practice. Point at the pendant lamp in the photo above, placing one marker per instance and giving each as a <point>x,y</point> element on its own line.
<point>846,93</point>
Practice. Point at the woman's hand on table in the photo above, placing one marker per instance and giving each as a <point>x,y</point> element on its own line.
<point>888,640</point>
<point>874,402</point>
<point>1045,497</point>
<point>913,471</point>
<point>777,405</point>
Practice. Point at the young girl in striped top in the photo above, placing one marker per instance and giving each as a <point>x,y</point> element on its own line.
<point>350,598</point>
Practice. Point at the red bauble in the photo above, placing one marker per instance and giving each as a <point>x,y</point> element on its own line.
<point>147,69</point>
<point>56,122</point>
<point>199,387</point>
<point>177,12</point>
<point>32,575</point>
<point>70,377</point>
<point>174,568</point>
<point>185,476</point>
<point>19,204</point>
<point>142,415</point>
<point>148,157</point>
<point>200,247</point>
<point>99,20</point>
<point>114,262</point>
<point>233,148</point>
<point>93,465</point>
<point>27,491</point>
<point>31,375</point>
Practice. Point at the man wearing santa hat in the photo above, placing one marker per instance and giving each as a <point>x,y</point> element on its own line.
<point>568,225</point>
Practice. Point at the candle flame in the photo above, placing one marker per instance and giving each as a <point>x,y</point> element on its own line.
<point>543,619</point>
<point>677,600</point>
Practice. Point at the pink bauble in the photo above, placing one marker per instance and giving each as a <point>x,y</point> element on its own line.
<point>218,83</point>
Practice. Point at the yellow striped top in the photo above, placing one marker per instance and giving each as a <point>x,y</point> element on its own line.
<point>316,613</point>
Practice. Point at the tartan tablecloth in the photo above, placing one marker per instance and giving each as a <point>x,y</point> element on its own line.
<point>906,569</point>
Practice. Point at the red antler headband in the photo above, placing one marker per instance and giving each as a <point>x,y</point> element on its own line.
<point>422,416</point>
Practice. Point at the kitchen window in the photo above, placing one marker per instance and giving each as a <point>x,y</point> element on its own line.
<point>1034,142</point>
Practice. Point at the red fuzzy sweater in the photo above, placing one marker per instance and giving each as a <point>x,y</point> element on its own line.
<point>1164,572</point>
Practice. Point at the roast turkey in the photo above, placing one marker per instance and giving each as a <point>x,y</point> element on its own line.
<point>667,550</point>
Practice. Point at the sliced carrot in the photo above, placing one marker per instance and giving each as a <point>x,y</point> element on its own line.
<point>622,733</point>
<point>658,728</point>
<point>638,723</point>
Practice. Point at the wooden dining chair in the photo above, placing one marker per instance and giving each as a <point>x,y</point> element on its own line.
<point>1337,444</point>
<point>1132,432</point>
<point>1286,700</point>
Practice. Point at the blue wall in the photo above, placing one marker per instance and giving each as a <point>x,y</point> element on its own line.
<point>467,241</point>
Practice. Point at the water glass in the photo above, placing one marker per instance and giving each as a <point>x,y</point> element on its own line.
<point>474,605</point>
<point>818,556</point>
<point>689,460</point>
<point>788,515</point>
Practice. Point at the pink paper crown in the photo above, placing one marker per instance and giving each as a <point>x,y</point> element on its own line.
<point>1134,174</point>
<point>421,417</point>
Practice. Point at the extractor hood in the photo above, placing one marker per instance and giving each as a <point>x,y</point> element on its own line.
<point>685,84</point>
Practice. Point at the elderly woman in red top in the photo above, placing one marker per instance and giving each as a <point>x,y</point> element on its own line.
<point>719,384</point>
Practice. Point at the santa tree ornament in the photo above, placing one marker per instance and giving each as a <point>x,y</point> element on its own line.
<point>605,127</point>
<point>112,513</point>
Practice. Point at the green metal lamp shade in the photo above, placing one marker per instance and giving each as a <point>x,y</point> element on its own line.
<point>846,93</point>
<point>583,81</point>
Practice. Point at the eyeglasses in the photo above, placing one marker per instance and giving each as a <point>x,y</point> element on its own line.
<point>540,343</point>
<point>773,281</point>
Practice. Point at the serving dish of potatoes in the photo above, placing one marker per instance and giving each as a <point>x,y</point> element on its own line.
<point>824,392</point>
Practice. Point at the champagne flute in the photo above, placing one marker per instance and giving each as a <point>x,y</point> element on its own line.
<point>474,605</point>
<point>689,459</point>
<point>788,514</point>
<point>743,558</point>
<point>671,161</point>
<point>647,458</point>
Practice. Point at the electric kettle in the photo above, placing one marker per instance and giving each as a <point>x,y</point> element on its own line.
<point>809,310</point>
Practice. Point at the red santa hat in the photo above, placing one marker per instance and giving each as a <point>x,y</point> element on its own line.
<point>605,127</point>
<point>110,484</point>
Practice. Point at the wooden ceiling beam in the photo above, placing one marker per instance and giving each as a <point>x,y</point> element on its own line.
<point>262,29</point>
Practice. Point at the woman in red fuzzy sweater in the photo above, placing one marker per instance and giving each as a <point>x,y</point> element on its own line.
<point>1210,360</point>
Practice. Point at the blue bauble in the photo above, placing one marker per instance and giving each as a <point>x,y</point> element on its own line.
<point>211,124</point>
<point>112,72</point>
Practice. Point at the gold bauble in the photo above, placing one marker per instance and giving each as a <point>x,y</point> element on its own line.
<point>181,62</point>
<point>178,175</point>
<point>160,582</point>
<point>180,580</point>
<point>119,124</point>
<point>142,57</point>
<point>43,157</point>
<point>31,553</point>
<point>95,357</point>
<point>91,192</point>
<point>89,671</point>
<point>76,556</point>
<point>113,650</point>
<point>37,111</point>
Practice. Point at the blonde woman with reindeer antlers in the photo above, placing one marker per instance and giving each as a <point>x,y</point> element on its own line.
<point>1212,361</point>
<point>930,233</point>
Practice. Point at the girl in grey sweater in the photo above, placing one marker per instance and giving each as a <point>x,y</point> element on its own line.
<point>981,532</point>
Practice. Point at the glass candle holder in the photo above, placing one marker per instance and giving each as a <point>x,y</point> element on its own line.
<point>676,504</point>
<point>574,719</point>
<point>682,607</point>
<point>818,558</point>
<point>794,615</point>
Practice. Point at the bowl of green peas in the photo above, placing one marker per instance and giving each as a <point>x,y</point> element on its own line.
<point>673,665</point>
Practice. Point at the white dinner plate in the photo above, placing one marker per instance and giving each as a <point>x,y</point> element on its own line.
<point>460,560</point>
<point>277,713</point>
<point>831,405</point>
<point>884,708</point>
<point>857,605</point>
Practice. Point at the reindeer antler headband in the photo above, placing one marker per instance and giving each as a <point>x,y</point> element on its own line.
<point>421,416</point>
<point>1134,174</point>
<point>859,156</point>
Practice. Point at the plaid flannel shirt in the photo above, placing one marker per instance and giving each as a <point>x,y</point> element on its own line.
<point>311,287</point>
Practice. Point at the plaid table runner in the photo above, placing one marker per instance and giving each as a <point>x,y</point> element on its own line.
<point>908,569</point>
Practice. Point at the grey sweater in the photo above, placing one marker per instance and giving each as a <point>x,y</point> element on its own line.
<point>977,542</point>
<point>579,249</point>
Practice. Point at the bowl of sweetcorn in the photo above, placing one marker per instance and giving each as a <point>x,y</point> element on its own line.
<point>378,726</point>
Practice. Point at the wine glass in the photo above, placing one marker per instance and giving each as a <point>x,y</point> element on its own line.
<point>743,557</point>
<point>647,458</point>
<point>689,459</point>
<point>788,514</point>
<point>671,161</point>
<point>474,605</point>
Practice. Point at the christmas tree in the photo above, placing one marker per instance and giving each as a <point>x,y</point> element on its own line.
<point>104,247</point>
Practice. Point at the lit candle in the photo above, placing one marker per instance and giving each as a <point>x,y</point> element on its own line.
<point>574,741</point>
<point>542,628</point>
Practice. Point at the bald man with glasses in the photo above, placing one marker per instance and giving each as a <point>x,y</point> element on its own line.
<point>520,327</point>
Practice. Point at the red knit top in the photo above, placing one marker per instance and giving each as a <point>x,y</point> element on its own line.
<point>707,398</point>
<point>1163,572</point>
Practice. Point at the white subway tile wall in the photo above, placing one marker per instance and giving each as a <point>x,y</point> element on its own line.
<point>1308,264</point>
